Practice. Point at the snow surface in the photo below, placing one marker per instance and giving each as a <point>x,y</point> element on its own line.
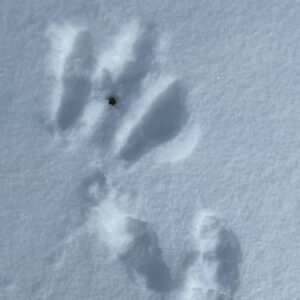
<point>187,188</point>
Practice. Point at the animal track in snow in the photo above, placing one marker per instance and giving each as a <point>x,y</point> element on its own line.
<point>72,63</point>
<point>150,114</point>
<point>76,81</point>
<point>134,243</point>
<point>162,122</point>
<point>150,109</point>
<point>214,274</point>
<point>144,256</point>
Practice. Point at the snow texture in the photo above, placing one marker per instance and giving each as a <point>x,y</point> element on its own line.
<point>186,188</point>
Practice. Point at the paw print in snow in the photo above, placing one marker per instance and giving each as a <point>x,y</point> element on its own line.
<point>126,109</point>
<point>147,109</point>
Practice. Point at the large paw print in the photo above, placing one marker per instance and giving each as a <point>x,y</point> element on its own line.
<point>125,108</point>
<point>150,107</point>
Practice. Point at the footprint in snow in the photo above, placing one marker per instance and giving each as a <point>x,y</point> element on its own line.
<point>214,271</point>
<point>126,108</point>
<point>121,103</point>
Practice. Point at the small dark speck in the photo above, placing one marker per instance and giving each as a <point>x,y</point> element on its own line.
<point>112,100</point>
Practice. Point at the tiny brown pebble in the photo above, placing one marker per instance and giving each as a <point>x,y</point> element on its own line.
<point>112,100</point>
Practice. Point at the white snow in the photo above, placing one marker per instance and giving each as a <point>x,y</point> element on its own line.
<point>186,188</point>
